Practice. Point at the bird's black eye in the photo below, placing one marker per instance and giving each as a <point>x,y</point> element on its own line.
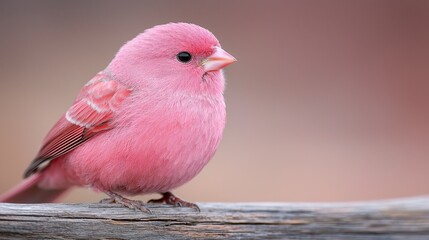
<point>184,57</point>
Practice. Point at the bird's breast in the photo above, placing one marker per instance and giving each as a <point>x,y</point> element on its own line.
<point>159,146</point>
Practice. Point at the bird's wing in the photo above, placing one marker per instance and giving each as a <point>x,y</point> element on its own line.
<point>90,115</point>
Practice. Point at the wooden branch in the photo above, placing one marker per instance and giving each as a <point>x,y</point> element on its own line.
<point>391,219</point>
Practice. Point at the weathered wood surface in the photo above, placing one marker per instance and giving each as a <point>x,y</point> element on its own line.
<point>392,219</point>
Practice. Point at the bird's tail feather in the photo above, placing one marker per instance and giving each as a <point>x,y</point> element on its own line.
<point>29,192</point>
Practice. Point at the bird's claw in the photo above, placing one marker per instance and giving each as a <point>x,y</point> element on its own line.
<point>135,204</point>
<point>170,199</point>
<point>107,201</point>
<point>131,204</point>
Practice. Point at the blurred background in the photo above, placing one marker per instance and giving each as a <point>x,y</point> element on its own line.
<point>329,100</point>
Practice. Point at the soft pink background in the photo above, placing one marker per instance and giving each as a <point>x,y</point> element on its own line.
<point>329,100</point>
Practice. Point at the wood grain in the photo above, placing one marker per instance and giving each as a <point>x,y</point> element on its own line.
<point>390,219</point>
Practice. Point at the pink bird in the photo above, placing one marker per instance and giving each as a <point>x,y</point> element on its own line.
<point>148,123</point>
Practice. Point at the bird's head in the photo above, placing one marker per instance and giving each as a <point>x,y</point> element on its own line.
<point>173,57</point>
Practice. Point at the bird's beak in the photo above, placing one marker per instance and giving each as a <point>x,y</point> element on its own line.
<point>218,60</point>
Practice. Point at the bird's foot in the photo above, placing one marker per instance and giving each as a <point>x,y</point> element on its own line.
<point>132,204</point>
<point>170,199</point>
<point>107,200</point>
